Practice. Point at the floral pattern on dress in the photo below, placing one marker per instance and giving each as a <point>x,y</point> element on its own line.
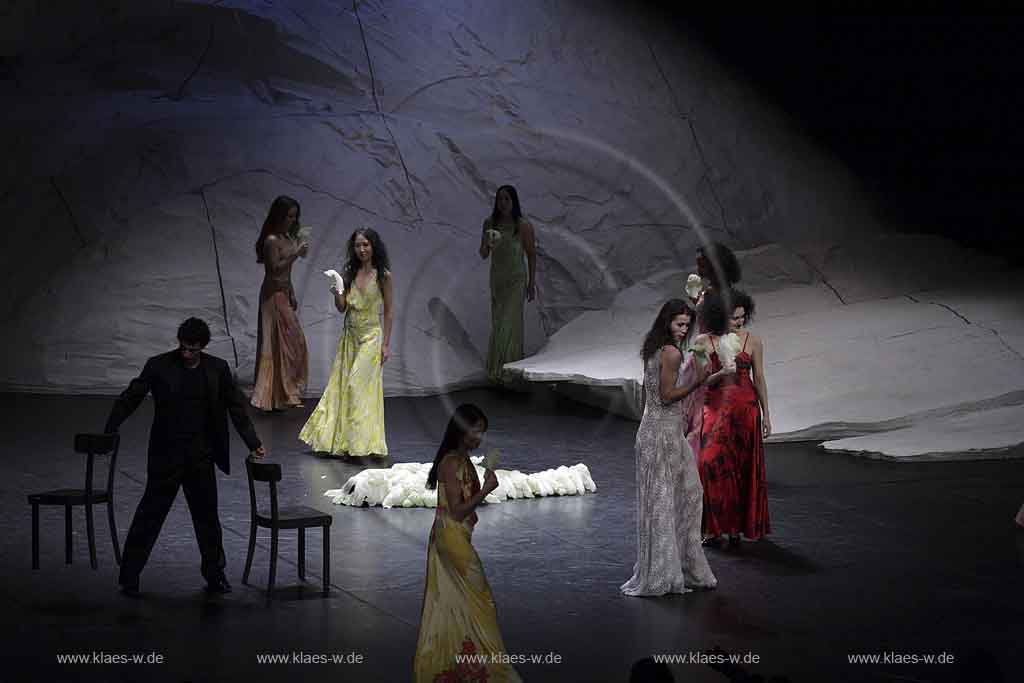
<point>732,466</point>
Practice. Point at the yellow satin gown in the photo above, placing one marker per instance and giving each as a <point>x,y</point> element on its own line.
<point>459,620</point>
<point>349,419</point>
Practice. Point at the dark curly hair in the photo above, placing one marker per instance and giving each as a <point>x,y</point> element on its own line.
<point>462,420</point>
<point>660,334</point>
<point>741,299</point>
<point>194,331</point>
<point>723,259</point>
<point>713,314</point>
<point>379,258</point>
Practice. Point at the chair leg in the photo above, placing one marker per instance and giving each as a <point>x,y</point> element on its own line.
<point>67,534</point>
<point>327,558</point>
<point>302,554</point>
<point>273,560</point>
<point>35,536</point>
<point>90,533</point>
<point>113,532</point>
<point>248,556</point>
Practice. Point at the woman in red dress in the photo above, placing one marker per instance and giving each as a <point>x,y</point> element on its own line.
<point>735,422</point>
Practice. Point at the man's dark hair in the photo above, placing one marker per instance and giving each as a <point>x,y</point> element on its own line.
<point>646,670</point>
<point>194,331</point>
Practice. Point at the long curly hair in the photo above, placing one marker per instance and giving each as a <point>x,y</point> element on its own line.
<point>713,315</point>
<point>660,334</point>
<point>721,257</point>
<point>462,420</point>
<point>379,258</point>
<point>275,218</point>
<point>741,299</point>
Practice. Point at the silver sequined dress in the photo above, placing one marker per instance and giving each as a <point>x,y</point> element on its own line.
<point>670,558</point>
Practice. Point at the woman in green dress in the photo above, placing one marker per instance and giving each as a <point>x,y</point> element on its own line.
<point>507,237</point>
<point>349,419</point>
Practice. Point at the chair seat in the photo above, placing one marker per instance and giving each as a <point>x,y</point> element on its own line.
<point>67,497</point>
<point>296,516</point>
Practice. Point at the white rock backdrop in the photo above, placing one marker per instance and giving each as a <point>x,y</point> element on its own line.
<point>145,140</point>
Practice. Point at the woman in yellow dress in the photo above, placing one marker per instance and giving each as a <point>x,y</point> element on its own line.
<point>349,419</point>
<point>459,637</point>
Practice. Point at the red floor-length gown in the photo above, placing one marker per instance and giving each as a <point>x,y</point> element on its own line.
<point>731,460</point>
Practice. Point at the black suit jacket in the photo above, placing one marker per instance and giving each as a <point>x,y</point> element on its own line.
<point>161,377</point>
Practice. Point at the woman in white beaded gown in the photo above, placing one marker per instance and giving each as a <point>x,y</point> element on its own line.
<point>670,558</point>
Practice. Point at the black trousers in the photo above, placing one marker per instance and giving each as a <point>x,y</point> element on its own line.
<point>194,473</point>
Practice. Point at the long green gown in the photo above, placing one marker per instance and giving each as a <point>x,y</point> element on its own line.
<point>508,292</point>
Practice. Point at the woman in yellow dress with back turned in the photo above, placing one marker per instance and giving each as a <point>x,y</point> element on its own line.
<point>459,620</point>
<point>349,419</point>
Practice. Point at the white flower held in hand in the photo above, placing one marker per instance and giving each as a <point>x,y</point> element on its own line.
<point>304,234</point>
<point>491,461</point>
<point>339,284</point>
<point>694,285</point>
<point>728,346</point>
<point>493,236</point>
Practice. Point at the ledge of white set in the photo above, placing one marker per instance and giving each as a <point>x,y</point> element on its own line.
<point>882,347</point>
<point>980,435</point>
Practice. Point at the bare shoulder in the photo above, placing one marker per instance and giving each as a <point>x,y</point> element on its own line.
<point>525,224</point>
<point>386,276</point>
<point>670,353</point>
<point>447,466</point>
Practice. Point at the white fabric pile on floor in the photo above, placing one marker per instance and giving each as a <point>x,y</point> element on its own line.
<point>405,485</point>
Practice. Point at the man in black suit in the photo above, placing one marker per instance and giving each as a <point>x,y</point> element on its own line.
<point>193,396</point>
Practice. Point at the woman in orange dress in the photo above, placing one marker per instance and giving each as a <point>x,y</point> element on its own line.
<point>282,365</point>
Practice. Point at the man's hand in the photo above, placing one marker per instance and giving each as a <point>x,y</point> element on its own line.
<point>258,453</point>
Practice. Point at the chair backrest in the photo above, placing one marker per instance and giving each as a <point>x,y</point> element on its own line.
<point>98,444</point>
<point>262,471</point>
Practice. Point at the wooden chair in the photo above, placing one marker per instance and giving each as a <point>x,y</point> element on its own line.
<point>92,445</point>
<point>293,517</point>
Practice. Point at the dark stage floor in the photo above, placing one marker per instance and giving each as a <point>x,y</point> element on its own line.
<point>866,557</point>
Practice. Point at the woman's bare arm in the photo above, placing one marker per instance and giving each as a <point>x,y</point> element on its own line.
<point>528,239</point>
<point>760,385</point>
<point>386,292</point>
<point>485,246</point>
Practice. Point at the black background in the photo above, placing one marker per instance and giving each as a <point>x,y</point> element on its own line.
<point>923,109</point>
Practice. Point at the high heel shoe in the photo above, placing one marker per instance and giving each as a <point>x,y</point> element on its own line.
<point>712,542</point>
